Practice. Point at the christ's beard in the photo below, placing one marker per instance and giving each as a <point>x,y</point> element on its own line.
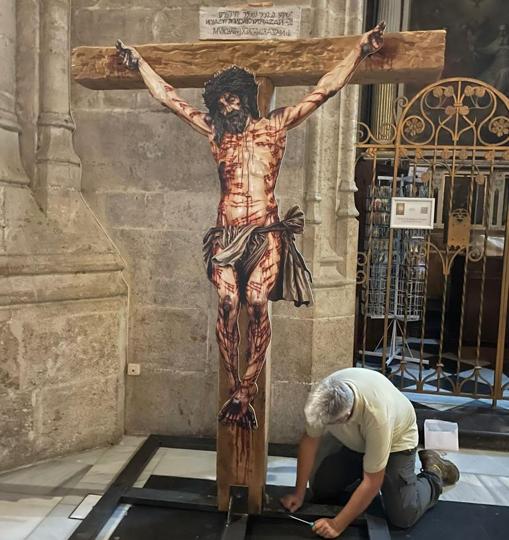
<point>234,122</point>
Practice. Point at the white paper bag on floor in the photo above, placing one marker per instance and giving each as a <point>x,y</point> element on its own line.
<point>440,435</point>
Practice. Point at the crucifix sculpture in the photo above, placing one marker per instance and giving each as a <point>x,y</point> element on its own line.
<point>250,252</point>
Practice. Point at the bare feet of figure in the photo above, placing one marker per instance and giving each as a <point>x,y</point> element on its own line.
<point>238,410</point>
<point>373,41</point>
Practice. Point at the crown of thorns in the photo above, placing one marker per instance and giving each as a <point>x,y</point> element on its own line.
<point>237,81</point>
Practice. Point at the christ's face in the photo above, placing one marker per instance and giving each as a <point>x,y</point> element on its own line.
<point>229,103</point>
<point>231,115</point>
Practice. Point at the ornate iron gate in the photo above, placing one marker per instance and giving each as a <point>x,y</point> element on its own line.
<point>432,303</point>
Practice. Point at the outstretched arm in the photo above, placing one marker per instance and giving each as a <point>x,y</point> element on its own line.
<point>162,91</point>
<point>361,498</point>
<point>332,82</point>
<point>308,448</point>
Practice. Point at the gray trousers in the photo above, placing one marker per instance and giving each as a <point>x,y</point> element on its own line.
<point>406,496</point>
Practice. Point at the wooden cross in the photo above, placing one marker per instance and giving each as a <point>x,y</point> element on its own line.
<point>416,57</point>
<point>411,57</point>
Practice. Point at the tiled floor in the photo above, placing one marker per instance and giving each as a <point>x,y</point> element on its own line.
<point>36,501</point>
<point>447,402</point>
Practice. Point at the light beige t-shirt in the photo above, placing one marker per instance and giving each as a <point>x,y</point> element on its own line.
<point>383,419</point>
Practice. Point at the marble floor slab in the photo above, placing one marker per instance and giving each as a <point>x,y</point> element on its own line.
<point>484,477</point>
<point>106,468</point>
<point>57,525</point>
<point>187,463</point>
<point>21,514</point>
<point>445,402</point>
<point>54,477</point>
<point>478,489</point>
<point>29,512</point>
<point>281,471</point>
<point>481,462</point>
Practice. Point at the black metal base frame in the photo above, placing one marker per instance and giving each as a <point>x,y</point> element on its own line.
<point>121,491</point>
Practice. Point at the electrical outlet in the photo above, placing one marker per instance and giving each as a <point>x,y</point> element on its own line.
<point>133,369</point>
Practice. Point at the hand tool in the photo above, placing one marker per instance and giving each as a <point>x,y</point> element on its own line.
<point>310,523</point>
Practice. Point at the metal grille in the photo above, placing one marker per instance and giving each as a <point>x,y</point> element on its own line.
<point>433,303</point>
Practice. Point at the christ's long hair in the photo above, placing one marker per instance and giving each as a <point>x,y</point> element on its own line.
<point>240,82</point>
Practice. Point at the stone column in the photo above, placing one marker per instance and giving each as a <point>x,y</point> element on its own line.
<point>11,169</point>
<point>384,95</point>
<point>58,166</point>
<point>346,212</point>
<point>321,164</point>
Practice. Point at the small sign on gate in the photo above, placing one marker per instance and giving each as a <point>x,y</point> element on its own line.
<point>412,212</point>
<point>250,23</point>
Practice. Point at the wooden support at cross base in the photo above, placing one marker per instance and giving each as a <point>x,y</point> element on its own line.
<point>416,57</point>
<point>242,454</point>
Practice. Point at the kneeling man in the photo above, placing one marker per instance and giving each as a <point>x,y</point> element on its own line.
<point>361,436</point>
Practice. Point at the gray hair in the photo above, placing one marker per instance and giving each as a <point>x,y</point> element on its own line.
<point>331,400</point>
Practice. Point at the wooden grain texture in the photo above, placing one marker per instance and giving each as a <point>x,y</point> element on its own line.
<point>416,57</point>
<point>242,454</point>
<point>265,94</point>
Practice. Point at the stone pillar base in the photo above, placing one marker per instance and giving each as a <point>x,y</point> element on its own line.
<point>11,169</point>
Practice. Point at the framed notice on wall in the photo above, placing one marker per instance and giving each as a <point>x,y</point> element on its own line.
<point>412,212</point>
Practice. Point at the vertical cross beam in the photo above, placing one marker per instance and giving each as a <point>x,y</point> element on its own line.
<point>242,454</point>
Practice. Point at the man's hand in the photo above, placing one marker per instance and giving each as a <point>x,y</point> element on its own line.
<point>327,528</point>
<point>372,41</point>
<point>130,56</point>
<point>292,501</point>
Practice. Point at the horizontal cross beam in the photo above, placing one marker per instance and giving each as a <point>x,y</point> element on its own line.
<point>416,57</point>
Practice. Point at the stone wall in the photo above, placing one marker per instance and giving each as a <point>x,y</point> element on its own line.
<point>152,182</point>
<point>63,311</point>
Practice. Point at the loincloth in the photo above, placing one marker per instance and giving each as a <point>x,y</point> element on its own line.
<point>242,247</point>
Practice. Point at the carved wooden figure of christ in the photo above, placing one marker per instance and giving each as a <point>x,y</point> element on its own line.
<point>250,253</point>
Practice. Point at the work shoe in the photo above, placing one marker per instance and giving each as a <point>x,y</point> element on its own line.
<point>445,469</point>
